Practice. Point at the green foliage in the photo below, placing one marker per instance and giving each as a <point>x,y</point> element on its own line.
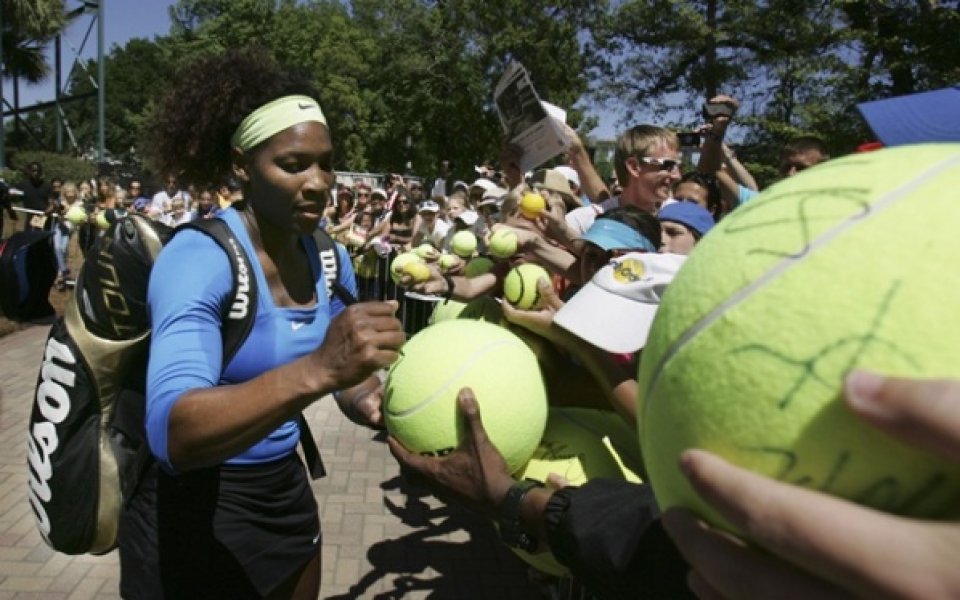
<point>55,165</point>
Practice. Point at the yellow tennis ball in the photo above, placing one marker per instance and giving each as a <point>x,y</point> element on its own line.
<point>419,404</point>
<point>449,262</point>
<point>580,444</point>
<point>102,220</point>
<point>427,252</point>
<point>478,266</point>
<point>503,243</point>
<point>400,262</point>
<point>844,266</point>
<point>76,215</point>
<point>484,308</point>
<point>464,243</point>
<point>532,204</point>
<point>417,271</point>
<point>520,286</point>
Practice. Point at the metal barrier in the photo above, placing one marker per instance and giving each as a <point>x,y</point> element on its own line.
<point>374,283</point>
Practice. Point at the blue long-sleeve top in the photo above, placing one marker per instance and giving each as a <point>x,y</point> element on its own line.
<point>190,283</point>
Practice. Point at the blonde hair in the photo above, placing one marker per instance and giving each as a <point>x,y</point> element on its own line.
<point>636,142</point>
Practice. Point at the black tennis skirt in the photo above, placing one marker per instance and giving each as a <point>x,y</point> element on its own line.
<point>226,532</point>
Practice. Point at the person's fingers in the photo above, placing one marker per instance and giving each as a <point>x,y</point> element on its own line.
<point>556,481</point>
<point>548,294</point>
<point>850,545</point>
<point>726,568</point>
<point>925,413</point>
<point>470,411</point>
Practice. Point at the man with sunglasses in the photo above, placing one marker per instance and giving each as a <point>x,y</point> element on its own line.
<point>647,163</point>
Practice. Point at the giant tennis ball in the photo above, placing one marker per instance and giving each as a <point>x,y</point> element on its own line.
<point>463,243</point>
<point>399,263</point>
<point>503,243</point>
<point>580,444</point>
<point>76,215</point>
<point>520,286</point>
<point>780,300</point>
<point>419,404</point>
<point>485,308</point>
<point>532,204</point>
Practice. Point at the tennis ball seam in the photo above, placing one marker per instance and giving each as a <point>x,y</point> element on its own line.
<point>784,265</point>
<point>483,350</point>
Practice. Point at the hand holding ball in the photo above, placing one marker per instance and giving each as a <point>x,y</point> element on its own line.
<point>417,271</point>
<point>464,243</point>
<point>520,286</point>
<point>400,262</point>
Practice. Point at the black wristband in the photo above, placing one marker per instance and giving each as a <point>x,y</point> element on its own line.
<point>508,517</point>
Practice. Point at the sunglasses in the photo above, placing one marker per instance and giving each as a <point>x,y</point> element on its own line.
<point>665,164</point>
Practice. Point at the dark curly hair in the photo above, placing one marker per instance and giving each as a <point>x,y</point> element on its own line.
<point>191,130</point>
<point>709,183</point>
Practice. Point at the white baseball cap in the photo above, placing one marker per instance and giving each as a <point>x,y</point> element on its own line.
<point>615,309</point>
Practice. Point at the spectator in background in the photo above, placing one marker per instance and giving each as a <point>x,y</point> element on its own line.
<point>682,224</point>
<point>431,228</point>
<point>5,206</point>
<point>62,230</point>
<point>701,189</point>
<point>401,221</point>
<point>36,194</point>
<point>207,207</point>
<point>415,189</point>
<point>171,190</point>
<point>178,214</point>
<point>136,196</point>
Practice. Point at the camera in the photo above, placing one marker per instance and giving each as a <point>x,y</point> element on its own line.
<point>712,111</point>
<point>689,139</point>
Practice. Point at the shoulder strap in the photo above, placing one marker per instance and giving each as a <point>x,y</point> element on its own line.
<point>330,262</point>
<point>238,315</point>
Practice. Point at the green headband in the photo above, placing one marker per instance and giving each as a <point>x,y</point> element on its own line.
<point>275,116</point>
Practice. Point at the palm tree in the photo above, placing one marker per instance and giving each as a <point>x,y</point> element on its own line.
<point>28,26</point>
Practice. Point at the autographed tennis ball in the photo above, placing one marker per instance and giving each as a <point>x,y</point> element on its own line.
<point>580,444</point>
<point>420,392</point>
<point>399,264</point>
<point>464,243</point>
<point>785,296</point>
<point>417,271</point>
<point>76,215</point>
<point>532,204</point>
<point>520,286</point>
<point>503,243</point>
<point>478,266</point>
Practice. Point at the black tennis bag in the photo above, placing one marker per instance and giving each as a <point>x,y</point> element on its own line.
<point>28,268</point>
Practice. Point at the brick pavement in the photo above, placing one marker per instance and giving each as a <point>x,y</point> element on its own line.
<point>382,538</point>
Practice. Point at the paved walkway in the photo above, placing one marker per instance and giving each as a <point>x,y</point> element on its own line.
<point>382,538</point>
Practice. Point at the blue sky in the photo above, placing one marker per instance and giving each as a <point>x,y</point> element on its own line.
<point>127,19</point>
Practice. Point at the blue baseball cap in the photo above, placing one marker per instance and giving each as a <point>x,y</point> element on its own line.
<point>690,214</point>
<point>915,118</point>
<point>614,235</point>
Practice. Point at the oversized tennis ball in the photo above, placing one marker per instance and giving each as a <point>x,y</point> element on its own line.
<point>785,296</point>
<point>520,286</point>
<point>478,266</point>
<point>427,252</point>
<point>449,262</point>
<point>463,243</point>
<point>503,243</point>
<point>76,214</point>
<point>419,404</point>
<point>417,271</point>
<point>485,308</point>
<point>532,204</point>
<point>580,444</point>
<point>102,220</point>
<point>401,261</point>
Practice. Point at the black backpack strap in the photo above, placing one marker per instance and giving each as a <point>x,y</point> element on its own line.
<point>330,262</point>
<point>238,315</point>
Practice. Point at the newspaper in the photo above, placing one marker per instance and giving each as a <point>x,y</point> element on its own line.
<point>532,124</point>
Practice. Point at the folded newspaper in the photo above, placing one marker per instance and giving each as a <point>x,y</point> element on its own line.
<point>532,124</point>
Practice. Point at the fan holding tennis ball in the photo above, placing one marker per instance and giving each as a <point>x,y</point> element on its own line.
<point>76,214</point>
<point>779,302</point>
<point>449,262</point>
<point>503,243</point>
<point>420,393</point>
<point>418,271</point>
<point>520,286</point>
<point>400,262</point>
<point>532,205</point>
<point>427,252</point>
<point>463,244</point>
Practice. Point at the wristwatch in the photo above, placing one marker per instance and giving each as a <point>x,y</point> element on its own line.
<point>508,517</point>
